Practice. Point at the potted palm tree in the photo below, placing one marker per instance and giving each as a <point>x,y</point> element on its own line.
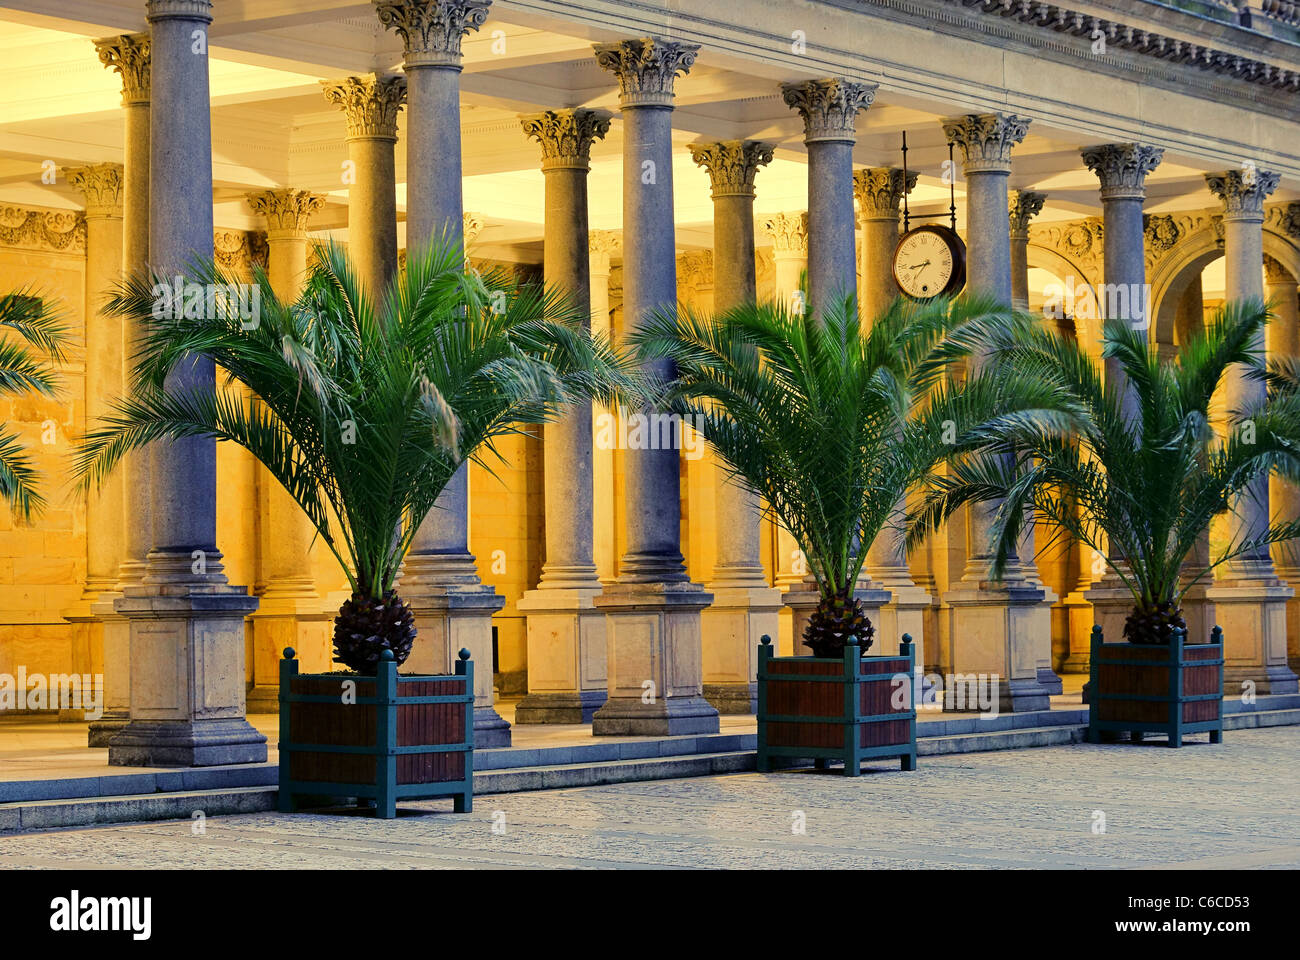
<point>34,337</point>
<point>1139,483</point>
<point>832,425</point>
<point>364,411</point>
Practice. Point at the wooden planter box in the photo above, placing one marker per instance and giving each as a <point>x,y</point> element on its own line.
<point>1153,688</point>
<point>399,737</point>
<point>835,709</point>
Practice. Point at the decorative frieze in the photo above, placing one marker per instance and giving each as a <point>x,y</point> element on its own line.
<point>646,68</point>
<point>695,269</point>
<point>370,103</point>
<point>287,211</point>
<point>239,250</point>
<point>566,136</point>
<point>732,165</point>
<point>1243,191</point>
<point>1161,232</point>
<point>1122,168</point>
<point>829,107</point>
<point>101,184</point>
<point>1275,273</point>
<point>1286,219</point>
<point>1079,241</point>
<point>986,139</point>
<point>129,55</point>
<point>880,190</point>
<point>789,233</point>
<point>60,230</point>
<point>432,29</point>
<point>1023,206</point>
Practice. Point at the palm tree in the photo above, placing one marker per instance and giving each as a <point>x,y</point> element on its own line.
<point>364,412</point>
<point>832,425</point>
<point>1144,484</point>
<point>35,336</point>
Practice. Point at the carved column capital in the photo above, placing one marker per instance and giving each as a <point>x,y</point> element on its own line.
<point>566,135</point>
<point>1023,206</point>
<point>287,211</point>
<point>646,68</point>
<point>732,165</point>
<point>432,29</point>
<point>789,233</point>
<point>178,10</point>
<point>1243,191</point>
<point>101,184</point>
<point>370,104</point>
<point>880,190</point>
<point>129,55</point>
<point>986,140</point>
<point>471,225</point>
<point>829,107</point>
<point>1122,168</point>
<point>602,245</point>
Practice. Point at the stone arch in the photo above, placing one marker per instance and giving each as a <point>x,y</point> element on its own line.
<point>1185,261</point>
<point>1061,266</point>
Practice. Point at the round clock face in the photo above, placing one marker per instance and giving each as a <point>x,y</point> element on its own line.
<point>925,263</point>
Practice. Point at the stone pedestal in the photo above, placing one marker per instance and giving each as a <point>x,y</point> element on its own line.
<point>654,661</point>
<point>567,678</point>
<point>992,629</point>
<point>187,678</point>
<point>1253,618</point>
<point>288,621</point>
<point>733,627</point>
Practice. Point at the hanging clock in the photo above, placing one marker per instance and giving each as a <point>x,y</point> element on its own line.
<point>929,262</point>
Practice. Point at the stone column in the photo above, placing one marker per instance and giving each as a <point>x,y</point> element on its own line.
<point>992,627</point>
<point>1023,206</point>
<point>829,109</point>
<point>1284,342</point>
<point>290,613</point>
<point>601,246</point>
<point>789,234</point>
<point>186,620</point>
<point>453,607</point>
<point>370,105</point>
<point>879,192</point>
<point>1121,169</point>
<point>652,610</point>
<point>566,633</point>
<point>128,55</point>
<point>744,606</point>
<point>101,186</point>
<point>1250,599</point>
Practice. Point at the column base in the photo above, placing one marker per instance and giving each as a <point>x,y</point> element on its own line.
<point>1078,614</point>
<point>1253,618</point>
<point>453,612</point>
<point>567,679</point>
<point>997,630</point>
<point>904,613</point>
<point>104,729</point>
<point>575,707</point>
<point>1049,681</point>
<point>186,743</point>
<point>655,654</point>
<point>731,629</point>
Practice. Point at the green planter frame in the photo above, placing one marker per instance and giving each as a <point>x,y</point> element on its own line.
<point>1116,706</point>
<point>388,696</point>
<point>777,675</point>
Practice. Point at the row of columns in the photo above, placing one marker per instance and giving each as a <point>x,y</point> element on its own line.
<point>626,654</point>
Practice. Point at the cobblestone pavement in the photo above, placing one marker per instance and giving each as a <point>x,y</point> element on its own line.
<point>1232,805</point>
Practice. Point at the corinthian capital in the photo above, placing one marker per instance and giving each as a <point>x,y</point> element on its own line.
<point>101,185</point>
<point>1122,168</point>
<point>986,139</point>
<point>1242,191</point>
<point>732,165</point>
<point>646,68</point>
<point>829,107</point>
<point>566,135</point>
<point>879,191</point>
<point>287,211</point>
<point>789,233</point>
<point>128,54</point>
<point>370,104</point>
<point>1023,206</point>
<point>432,29</point>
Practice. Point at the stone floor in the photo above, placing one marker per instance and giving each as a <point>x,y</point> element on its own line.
<point>1219,806</point>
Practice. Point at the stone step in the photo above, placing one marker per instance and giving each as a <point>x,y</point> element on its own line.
<point>178,805</point>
